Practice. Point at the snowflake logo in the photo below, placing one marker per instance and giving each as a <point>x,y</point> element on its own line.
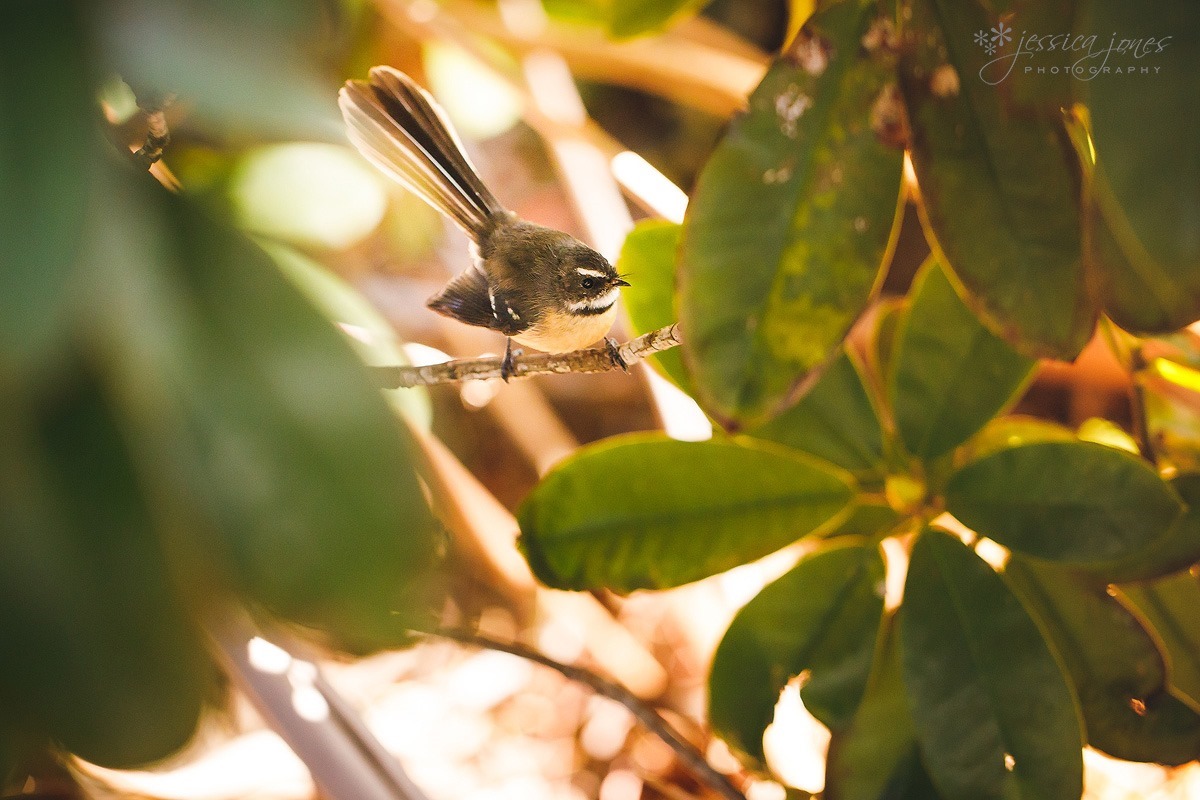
<point>994,39</point>
<point>1001,34</point>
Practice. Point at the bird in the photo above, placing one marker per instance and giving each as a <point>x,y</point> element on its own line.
<point>540,287</point>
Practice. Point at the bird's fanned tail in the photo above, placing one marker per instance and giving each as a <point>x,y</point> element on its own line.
<point>402,130</point>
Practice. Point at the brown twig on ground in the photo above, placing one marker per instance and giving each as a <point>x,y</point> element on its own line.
<point>596,359</point>
<point>688,754</point>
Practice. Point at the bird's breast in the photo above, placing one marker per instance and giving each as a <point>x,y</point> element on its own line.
<point>559,332</point>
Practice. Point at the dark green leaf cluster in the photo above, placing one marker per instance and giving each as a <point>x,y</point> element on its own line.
<point>990,675</point>
<point>182,429</point>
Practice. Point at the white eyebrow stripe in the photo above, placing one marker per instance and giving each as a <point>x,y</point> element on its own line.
<point>595,273</point>
<point>596,303</point>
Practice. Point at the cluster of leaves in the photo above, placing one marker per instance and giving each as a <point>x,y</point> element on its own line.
<point>984,682</point>
<point>182,428</point>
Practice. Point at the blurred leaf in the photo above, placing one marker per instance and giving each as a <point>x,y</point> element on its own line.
<point>1169,606</point>
<point>311,195</point>
<point>371,336</point>
<point>1117,671</point>
<point>835,421</point>
<point>634,17</point>
<point>982,683</point>
<point>1004,433</point>
<point>1148,242</point>
<point>648,258</point>
<point>98,653</point>
<point>821,620</point>
<point>263,428</point>
<point>876,757</point>
<point>791,221</point>
<point>868,518</point>
<point>1179,550</point>
<point>950,375</point>
<point>1107,432</point>
<point>243,69</point>
<point>798,13</point>
<point>47,133</point>
<point>1075,502</point>
<point>999,186</point>
<point>642,511</point>
<point>883,340</point>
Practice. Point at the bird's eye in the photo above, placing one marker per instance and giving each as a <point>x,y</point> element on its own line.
<point>588,283</point>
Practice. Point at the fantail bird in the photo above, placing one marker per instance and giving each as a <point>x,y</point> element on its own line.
<point>541,287</point>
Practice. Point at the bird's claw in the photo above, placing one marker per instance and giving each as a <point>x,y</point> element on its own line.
<point>507,368</point>
<point>614,352</point>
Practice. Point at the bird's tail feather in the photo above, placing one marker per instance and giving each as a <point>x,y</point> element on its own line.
<point>399,128</point>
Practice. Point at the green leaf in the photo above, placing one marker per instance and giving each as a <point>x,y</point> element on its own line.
<point>99,653</point>
<point>1117,671</point>
<point>634,17</point>
<point>648,259</point>
<point>374,338</point>
<point>1011,431</point>
<point>1075,502</point>
<point>1179,550</point>
<point>791,221</point>
<point>999,185</point>
<point>47,135</point>
<point>835,421</point>
<point>1145,242</point>
<point>263,427</point>
<point>982,683</point>
<point>821,619</point>
<point>950,375</point>
<point>1169,607</point>
<point>643,511</point>
<point>876,755</point>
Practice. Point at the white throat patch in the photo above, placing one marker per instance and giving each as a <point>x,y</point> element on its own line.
<point>597,303</point>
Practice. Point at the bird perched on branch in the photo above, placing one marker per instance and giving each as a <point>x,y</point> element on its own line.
<point>541,287</point>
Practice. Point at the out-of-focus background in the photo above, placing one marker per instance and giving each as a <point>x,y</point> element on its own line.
<point>572,129</point>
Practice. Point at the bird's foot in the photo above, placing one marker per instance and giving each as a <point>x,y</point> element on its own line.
<point>614,352</point>
<point>507,367</point>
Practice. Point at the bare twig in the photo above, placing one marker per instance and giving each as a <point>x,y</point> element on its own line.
<point>158,135</point>
<point>596,359</point>
<point>684,750</point>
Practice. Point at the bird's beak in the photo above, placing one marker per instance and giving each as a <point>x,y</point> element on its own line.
<point>620,282</point>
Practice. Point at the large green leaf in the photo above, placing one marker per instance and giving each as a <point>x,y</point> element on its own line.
<point>999,185</point>
<point>821,619</point>
<point>1146,185</point>
<point>1169,608</point>
<point>98,654</point>
<point>983,686</point>
<point>257,424</point>
<point>1003,433</point>
<point>876,756</point>
<point>1179,550</point>
<point>835,421</point>
<point>648,259</point>
<point>950,374</point>
<point>1075,502</point>
<point>1117,671</point>
<point>791,221</point>
<point>47,135</point>
<point>643,511</point>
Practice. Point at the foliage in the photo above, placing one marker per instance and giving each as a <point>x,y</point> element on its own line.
<point>183,429</point>
<point>987,680</point>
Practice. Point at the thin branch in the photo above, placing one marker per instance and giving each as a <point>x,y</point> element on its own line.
<point>684,750</point>
<point>596,359</point>
<point>158,135</point>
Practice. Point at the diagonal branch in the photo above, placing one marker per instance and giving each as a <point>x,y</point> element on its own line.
<point>596,359</point>
<point>684,751</point>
